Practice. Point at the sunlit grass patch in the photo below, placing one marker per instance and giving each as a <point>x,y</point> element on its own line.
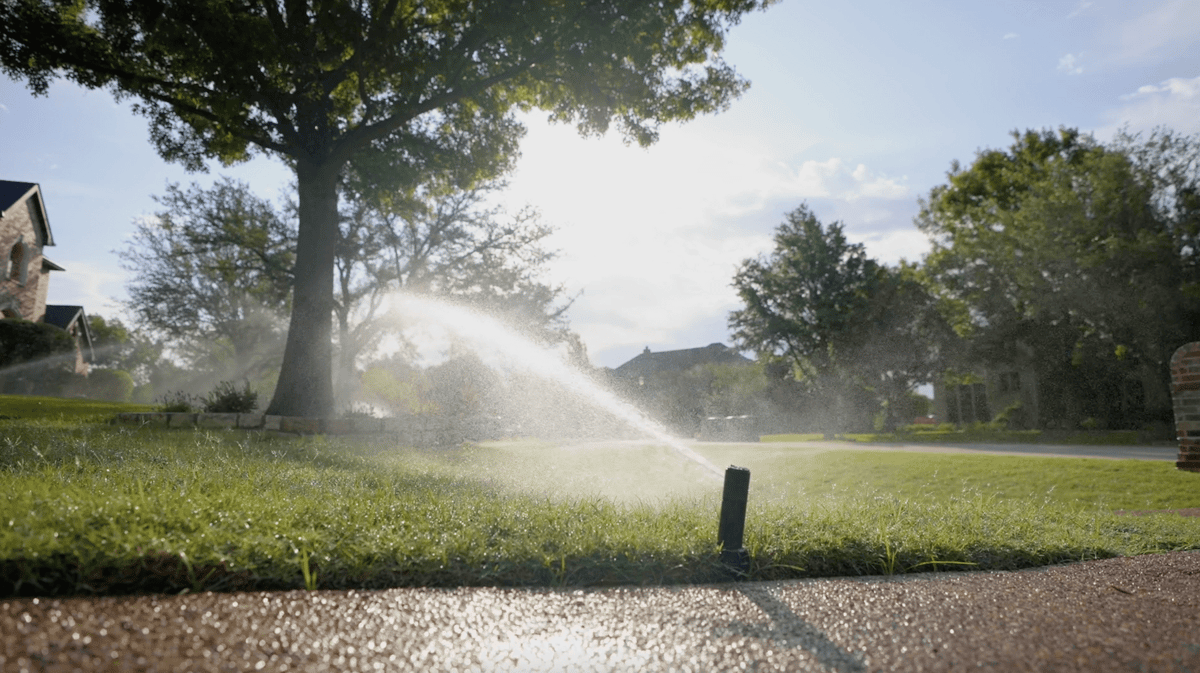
<point>61,409</point>
<point>98,509</point>
<point>937,435</point>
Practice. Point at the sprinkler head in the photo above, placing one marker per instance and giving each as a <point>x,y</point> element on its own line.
<point>732,525</point>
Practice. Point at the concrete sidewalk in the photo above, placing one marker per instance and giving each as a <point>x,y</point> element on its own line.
<point>1127,614</point>
<point>1149,452</point>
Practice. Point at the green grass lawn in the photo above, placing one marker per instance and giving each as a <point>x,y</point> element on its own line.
<point>61,409</point>
<point>91,508</point>
<point>940,435</point>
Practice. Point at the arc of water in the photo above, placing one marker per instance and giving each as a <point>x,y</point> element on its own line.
<point>486,334</point>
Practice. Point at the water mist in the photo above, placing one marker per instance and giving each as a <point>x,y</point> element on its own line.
<point>501,346</point>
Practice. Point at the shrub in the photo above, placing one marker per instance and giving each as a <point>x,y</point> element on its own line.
<point>1014,417</point>
<point>113,385</point>
<point>143,394</point>
<point>22,341</point>
<point>178,402</point>
<point>48,351</point>
<point>225,398</point>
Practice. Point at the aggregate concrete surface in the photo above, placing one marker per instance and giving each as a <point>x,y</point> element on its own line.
<point>1125,614</point>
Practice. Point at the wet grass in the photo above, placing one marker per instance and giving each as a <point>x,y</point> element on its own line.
<point>63,409</point>
<point>93,509</point>
<point>981,435</point>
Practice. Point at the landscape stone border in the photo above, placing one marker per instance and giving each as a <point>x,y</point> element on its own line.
<point>416,430</point>
<point>1185,397</point>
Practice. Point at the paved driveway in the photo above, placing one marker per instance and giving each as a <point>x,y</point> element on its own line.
<point>1128,614</point>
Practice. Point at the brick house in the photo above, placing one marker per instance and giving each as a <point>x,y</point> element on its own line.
<point>661,383</point>
<point>1135,400</point>
<point>24,233</point>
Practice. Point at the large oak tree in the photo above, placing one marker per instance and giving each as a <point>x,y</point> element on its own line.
<point>389,88</point>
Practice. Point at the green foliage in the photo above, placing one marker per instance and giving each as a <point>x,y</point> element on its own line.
<point>374,95</point>
<point>116,346</point>
<point>859,336</point>
<point>211,272</point>
<point>808,302</point>
<point>35,358</point>
<point>1014,417</point>
<point>179,402</point>
<point>1074,256</point>
<point>227,398</point>
<point>25,341</point>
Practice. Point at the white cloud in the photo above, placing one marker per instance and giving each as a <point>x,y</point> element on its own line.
<point>1171,26</point>
<point>1011,36</point>
<point>1070,64</point>
<point>86,284</point>
<point>1079,8</point>
<point>1174,103</point>
<point>3,107</point>
<point>653,237</point>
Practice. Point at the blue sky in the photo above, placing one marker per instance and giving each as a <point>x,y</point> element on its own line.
<point>856,108</point>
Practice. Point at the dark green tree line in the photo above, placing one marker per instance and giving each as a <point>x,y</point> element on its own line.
<point>1080,252</point>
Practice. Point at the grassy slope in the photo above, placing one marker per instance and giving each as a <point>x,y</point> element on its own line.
<point>87,508</point>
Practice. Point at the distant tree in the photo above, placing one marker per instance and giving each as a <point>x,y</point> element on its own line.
<point>1081,252</point>
<point>211,273</point>
<point>810,302</point>
<point>389,90</point>
<point>116,346</point>
<point>443,241</point>
<point>905,342</point>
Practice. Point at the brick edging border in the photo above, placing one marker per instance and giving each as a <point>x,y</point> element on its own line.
<point>1185,400</point>
<point>415,429</point>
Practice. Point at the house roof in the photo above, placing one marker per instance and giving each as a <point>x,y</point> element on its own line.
<point>66,316</point>
<point>15,193</point>
<point>680,360</point>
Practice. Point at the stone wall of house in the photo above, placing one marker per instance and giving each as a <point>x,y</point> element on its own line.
<point>18,227</point>
<point>1185,394</point>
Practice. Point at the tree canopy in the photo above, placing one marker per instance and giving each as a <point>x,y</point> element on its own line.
<point>858,336</point>
<point>212,271</point>
<point>1084,253</point>
<point>212,274</point>
<point>389,89</point>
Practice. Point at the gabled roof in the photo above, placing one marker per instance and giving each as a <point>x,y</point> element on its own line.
<point>13,194</point>
<point>66,316</point>
<point>681,360</point>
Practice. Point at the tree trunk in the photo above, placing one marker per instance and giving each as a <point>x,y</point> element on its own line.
<point>306,378</point>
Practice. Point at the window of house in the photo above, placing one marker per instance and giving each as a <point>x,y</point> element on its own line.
<point>967,404</point>
<point>16,263</point>
<point>1010,382</point>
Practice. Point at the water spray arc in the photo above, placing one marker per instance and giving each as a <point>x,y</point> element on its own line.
<point>489,337</point>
